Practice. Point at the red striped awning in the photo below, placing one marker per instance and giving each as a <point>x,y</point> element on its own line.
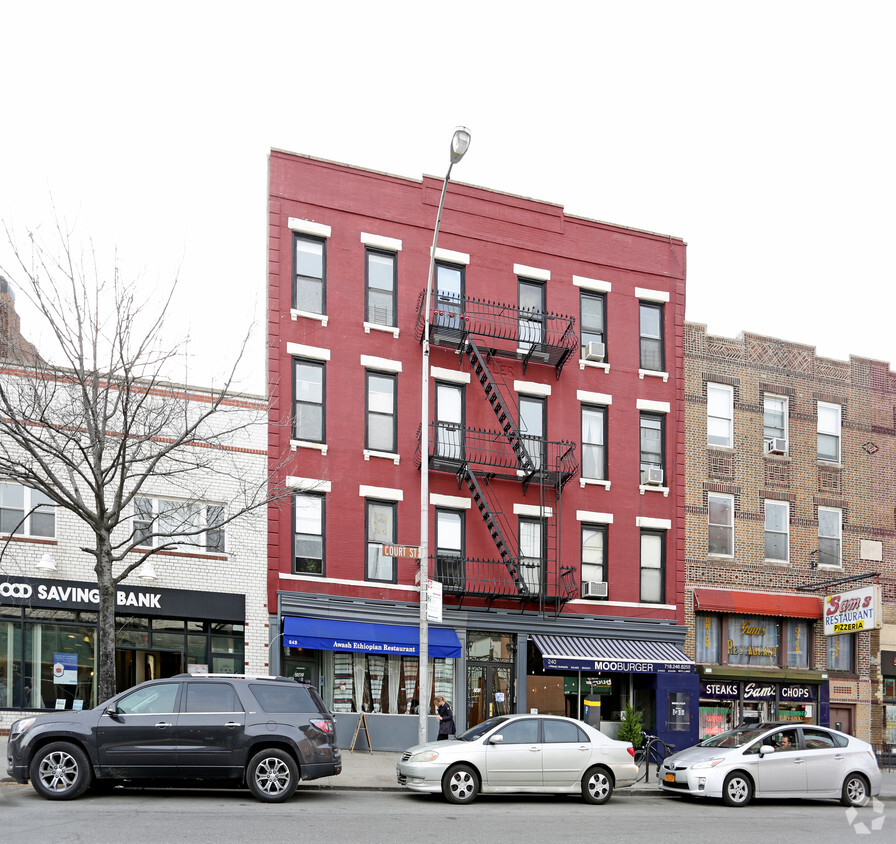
<point>757,603</point>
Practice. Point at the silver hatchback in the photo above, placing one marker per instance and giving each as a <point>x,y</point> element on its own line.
<point>783,760</point>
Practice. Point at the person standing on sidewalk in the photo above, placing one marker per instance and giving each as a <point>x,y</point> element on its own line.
<point>446,718</point>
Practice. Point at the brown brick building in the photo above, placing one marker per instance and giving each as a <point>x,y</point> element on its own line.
<point>789,483</point>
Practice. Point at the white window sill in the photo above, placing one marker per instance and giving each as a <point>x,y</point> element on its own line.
<point>781,458</point>
<point>389,329</point>
<point>829,464</point>
<point>583,482</point>
<point>321,318</point>
<point>650,488</point>
<point>386,455</point>
<point>594,364</point>
<point>781,563</point>
<point>830,568</point>
<point>650,373</point>
<point>321,447</point>
<point>720,556</point>
<point>727,449</point>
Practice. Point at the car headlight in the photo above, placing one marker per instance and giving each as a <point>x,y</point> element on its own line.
<point>20,726</point>
<point>707,763</point>
<point>425,756</point>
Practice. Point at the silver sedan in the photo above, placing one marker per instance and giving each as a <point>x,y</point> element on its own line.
<point>523,754</point>
<point>775,760</point>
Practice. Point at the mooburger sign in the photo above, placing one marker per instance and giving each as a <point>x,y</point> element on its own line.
<point>853,611</point>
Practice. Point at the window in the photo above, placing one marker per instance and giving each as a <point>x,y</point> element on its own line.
<point>531,296</point>
<point>531,554</point>
<point>161,521</point>
<point>309,519</point>
<point>653,554</point>
<point>563,732</point>
<point>450,549</point>
<point>719,415</point>
<point>594,432</point>
<point>381,269</point>
<point>774,418</point>
<point>309,293</point>
<point>594,553</point>
<point>381,423</point>
<point>449,296</point>
<point>652,442</point>
<point>707,637</point>
<point>381,531</point>
<point>840,652</point>
<point>310,385</point>
<point>830,528</point>
<point>521,732</point>
<point>721,524</point>
<point>777,531</point>
<point>449,412</point>
<point>157,700</point>
<point>829,432</point>
<point>798,641</point>
<point>532,427</point>
<point>211,697</point>
<point>593,308</point>
<point>25,511</point>
<point>651,321</point>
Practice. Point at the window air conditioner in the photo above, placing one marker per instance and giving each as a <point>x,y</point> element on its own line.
<point>776,445</point>
<point>652,475</point>
<point>594,351</point>
<point>594,589</point>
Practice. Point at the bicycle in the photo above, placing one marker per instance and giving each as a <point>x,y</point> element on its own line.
<point>653,750</point>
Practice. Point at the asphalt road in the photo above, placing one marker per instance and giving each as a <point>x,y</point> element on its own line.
<point>340,816</point>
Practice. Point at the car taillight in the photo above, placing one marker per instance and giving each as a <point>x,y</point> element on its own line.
<point>322,725</point>
<point>631,751</point>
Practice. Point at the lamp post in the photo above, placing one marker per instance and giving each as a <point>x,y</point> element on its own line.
<point>460,143</point>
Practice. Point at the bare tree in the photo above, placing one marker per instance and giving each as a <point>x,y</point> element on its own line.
<point>105,426</point>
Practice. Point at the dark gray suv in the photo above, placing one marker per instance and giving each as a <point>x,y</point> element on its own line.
<point>264,733</point>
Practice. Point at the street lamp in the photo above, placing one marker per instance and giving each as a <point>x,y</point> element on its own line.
<point>460,143</point>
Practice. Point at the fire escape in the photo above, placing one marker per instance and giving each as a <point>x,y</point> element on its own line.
<point>484,460</point>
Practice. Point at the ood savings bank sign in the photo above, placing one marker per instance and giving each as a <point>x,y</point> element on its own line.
<point>852,612</point>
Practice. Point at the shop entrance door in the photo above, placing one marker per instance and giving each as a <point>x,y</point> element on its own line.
<point>841,718</point>
<point>137,666</point>
<point>489,691</point>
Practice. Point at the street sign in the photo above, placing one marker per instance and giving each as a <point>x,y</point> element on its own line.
<point>401,550</point>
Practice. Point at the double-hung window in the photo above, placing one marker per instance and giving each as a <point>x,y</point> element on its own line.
<point>309,379</point>
<point>829,432</point>
<point>25,511</point>
<point>381,530</point>
<point>531,554</point>
<point>830,537</point>
<point>449,302</point>
<point>533,412</point>
<point>594,553</point>
<point>309,512</point>
<point>777,531</point>
<point>382,429</point>
<point>774,418</point>
<point>653,565</point>
<point>381,273</point>
<point>450,549</point>
<point>721,524</point>
<point>531,314</point>
<point>840,652</point>
<point>174,523</point>
<point>594,451</point>
<point>309,291</point>
<point>652,436</point>
<point>651,330</point>
<point>720,415</point>
<point>449,412</point>
<point>593,321</point>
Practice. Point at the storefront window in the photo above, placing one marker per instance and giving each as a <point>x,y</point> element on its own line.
<point>715,717</point>
<point>840,649</point>
<point>59,666</point>
<point>890,725</point>
<point>752,640</point>
<point>798,644</point>
<point>707,638</point>
<point>490,647</point>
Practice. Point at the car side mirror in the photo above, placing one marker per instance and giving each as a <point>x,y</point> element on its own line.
<point>766,748</point>
<point>111,710</point>
<point>496,740</point>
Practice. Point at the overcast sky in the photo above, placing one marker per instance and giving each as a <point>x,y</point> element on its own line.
<point>761,133</point>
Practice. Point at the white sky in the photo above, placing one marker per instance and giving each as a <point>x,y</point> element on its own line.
<point>761,133</point>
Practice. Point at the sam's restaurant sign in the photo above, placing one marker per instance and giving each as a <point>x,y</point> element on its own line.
<point>131,600</point>
<point>853,611</point>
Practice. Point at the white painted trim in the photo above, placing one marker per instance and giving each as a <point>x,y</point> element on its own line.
<point>451,257</point>
<point>590,516</point>
<point>654,406</point>
<point>388,329</point>
<point>321,318</point>
<point>594,398</point>
<point>653,374</point>
<point>583,482</point>
<point>656,524</point>
<point>386,455</point>
<point>532,388</point>
<point>651,488</point>
<point>321,447</point>
<point>309,227</point>
<point>651,295</point>
<point>389,244</point>
<point>365,584</point>
<point>458,502</point>
<point>592,284</point>
<point>384,492</point>
<point>584,602</point>
<point>531,272</point>
<point>451,375</point>
<point>315,352</point>
<point>532,510</point>
<point>308,484</point>
<point>370,362</point>
<point>594,364</point>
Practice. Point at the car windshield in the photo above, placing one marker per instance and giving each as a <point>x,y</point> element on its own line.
<point>734,738</point>
<point>480,729</point>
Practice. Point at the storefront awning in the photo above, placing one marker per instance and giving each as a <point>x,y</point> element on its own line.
<point>362,637</point>
<point>757,603</point>
<point>572,653</point>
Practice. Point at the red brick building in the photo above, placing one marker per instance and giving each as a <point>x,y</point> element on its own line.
<point>556,464</point>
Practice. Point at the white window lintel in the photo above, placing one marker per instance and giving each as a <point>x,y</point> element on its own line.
<point>653,406</point>
<point>451,375</point>
<point>594,398</point>
<point>651,295</point>
<point>309,227</point>
<point>308,484</point>
<point>532,388</point>
<point>388,244</point>
<point>384,364</point>
<point>456,502</point>
<point>315,352</point>
<point>655,524</point>
<point>382,492</point>
<point>590,516</point>
<point>531,272</point>
<point>594,284</point>
<point>451,257</point>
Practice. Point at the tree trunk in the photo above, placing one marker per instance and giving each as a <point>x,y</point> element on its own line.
<point>105,665</point>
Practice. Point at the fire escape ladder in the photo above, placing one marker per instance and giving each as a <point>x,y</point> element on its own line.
<point>491,515</point>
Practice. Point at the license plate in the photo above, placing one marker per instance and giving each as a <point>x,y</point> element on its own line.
<point>670,777</point>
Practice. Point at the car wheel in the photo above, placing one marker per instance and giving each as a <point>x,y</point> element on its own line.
<point>460,785</point>
<point>597,786</point>
<point>60,771</point>
<point>737,790</point>
<point>273,776</point>
<point>855,791</point>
